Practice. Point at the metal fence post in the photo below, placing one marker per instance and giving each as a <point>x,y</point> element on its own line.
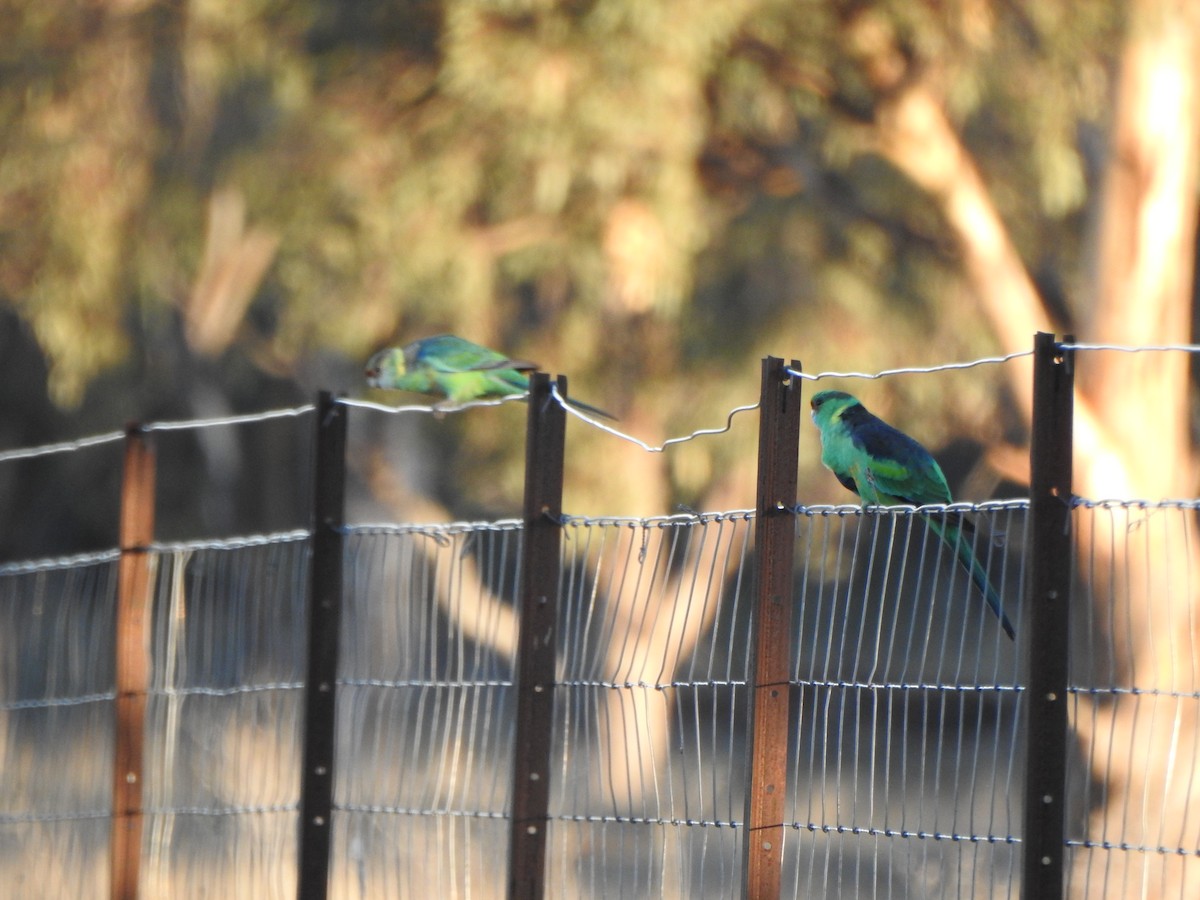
<point>1046,624</point>
<point>324,619</point>
<point>132,662</point>
<point>771,629</point>
<point>537,638</point>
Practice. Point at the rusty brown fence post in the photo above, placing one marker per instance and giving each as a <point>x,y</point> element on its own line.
<point>771,629</point>
<point>538,639</point>
<point>132,648</point>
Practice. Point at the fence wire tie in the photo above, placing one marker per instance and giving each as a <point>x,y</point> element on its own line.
<point>438,537</point>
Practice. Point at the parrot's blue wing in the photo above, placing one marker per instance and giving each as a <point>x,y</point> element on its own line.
<point>450,353</point>
<point>898,466</point>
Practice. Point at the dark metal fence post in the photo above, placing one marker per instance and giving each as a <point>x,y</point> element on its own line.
<point>132,662</point>
<point>537,639</point>
<point>771,630</point>
<point>1046,623</point>
<point>324,618</point>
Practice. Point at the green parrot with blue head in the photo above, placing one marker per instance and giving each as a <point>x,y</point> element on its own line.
<point>455,369</point>
<point>886,467</point>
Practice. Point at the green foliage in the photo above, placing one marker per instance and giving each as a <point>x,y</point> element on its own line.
<point>695,180</point>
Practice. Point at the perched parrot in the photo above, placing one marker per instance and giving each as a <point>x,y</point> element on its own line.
<point>448,366</point>
<point>886,467</point>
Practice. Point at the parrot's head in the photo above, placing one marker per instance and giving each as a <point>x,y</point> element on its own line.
<point>385,367</point>
<point>828,406</point>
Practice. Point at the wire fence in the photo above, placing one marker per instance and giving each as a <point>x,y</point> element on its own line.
<point>906,755</point>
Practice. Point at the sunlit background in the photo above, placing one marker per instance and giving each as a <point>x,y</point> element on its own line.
<point>211,207</point>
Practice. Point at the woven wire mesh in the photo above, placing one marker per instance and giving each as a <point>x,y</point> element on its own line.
<point>906,775</point>
<point>224,718</point>
<point>905,771</point>
<point>56,725</point>
<point>425,711</point>
<point>650,708</point>
<point>650,724</point>
<point>221,778</point>
<point>1134,828</point>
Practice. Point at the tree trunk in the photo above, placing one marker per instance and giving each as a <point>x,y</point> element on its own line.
<point>1143,749</point>
<point>1132,435</point>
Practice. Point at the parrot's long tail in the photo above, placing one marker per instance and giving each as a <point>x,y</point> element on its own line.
<point>958,536</point>
<point>588,408</point>
<point>516,381</point>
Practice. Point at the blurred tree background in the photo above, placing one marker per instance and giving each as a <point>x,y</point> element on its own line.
<point>210,207</point>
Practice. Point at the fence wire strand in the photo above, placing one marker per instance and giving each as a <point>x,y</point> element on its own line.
<point>435,409</point>
<point>447,408</point>
<point>181,425</point>
<point>912,370</point>
<point>222,421</point>
<point>62,447</point>
<point>1134,348</point>
<point>651,448</point>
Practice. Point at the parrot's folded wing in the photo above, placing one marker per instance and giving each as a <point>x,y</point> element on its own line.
<point>519,365</point>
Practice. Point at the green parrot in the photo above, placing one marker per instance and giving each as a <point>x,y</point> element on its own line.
<point>448,366</point>
<point>886,467</point>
